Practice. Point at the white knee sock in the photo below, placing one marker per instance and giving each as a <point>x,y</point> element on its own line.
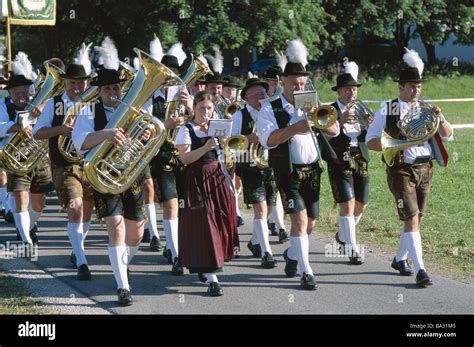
<point>3,197</point>
<point>291,251</point>
<point>151,222</point>
<point>131,251</point>
<point>254,239</point>
<point>171,231</point>
<point>278,214</point>
<point>357,218</point>
<point>348,226</point>
<point>118,260</point>
<point>34,216</point>
<point>22,222</point>
<point>402,249</point>
<point>301,250</point>
<point>413,243</point>
<point>211,277</point>
<point>237,209</point>
<point>75,233</point>
<point>261,230</point>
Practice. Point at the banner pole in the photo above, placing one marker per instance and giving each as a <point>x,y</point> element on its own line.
<point>9,44</point>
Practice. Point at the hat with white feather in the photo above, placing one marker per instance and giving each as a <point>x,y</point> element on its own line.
<point>297,54</point>
<point>413,70</point>
<point>349,77</point>
<point>175,56</point>
<point>217,66</point>
<point>81,67</point>
<point>22,74</point>
<point>108,58</point>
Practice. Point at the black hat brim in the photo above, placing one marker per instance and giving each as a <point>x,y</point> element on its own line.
<point>257,83</point>
<point>410,80</point>
<point>107,83</point>
<point>335,88</point>
<point>297,73</point>
<point>69,77</point>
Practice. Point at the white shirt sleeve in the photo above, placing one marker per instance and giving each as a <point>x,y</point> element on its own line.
<point>45,120</point>
<point>266,124</point>
<point>377,125</point>
<point>237,123</point>
<point>5,123</point>
<point>148,107</point>
<point>84,126</point>
<point>183,137</point>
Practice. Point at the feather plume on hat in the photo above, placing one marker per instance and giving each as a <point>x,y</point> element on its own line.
<point>156,50</point>
<point>412,59</point>
<point>297,52</point>
<point>281,59</point>
<point>177,51</point>
<point>203,59</point>
<point>83,58</point>
<point>217,61</point>
<point>108,54</point>
<point>352,68</point>
<point>22,66</point>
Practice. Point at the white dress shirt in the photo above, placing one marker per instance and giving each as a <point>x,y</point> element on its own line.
<point>237,119</point>
<point>5,123</point>
<point>380,122</point>
<point>45,120</point>
<point>184,137</point>
<point>350,130</point>
<point>302,148</point>
<point>85,125</point>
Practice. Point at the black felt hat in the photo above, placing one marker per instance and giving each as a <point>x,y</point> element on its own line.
<point>295,69</point>
<point>75,72</point>
<point>409,74</point>
<point>253,82</point>
<point>273,72</point>
<point>17,80</point>
<point>106,77</point>
<point>170,61</point>
<point>345,80</point>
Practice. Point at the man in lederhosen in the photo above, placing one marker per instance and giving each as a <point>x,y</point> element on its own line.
<point>33,186</point>
<point>294,158</point>
<point>410,175</point>
<point>348,174</point>
<point>258,184</point>
<point>74,192</point>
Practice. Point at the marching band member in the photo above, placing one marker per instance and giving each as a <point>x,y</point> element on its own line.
<point>258,184</point>
<point>35,184</point>
<point>293,156</point>
<point>207,229</point>
<point>276,218</point>
<point>230,89</point>
<point>410,176</point>
<point>215,81</point>
<point>123,213</point>
<point>74,192</point>
<point>349,175</point>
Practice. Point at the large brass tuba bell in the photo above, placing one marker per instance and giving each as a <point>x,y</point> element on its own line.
<point>20,154</point>
<point>419,125</point>
<point>112,170</point>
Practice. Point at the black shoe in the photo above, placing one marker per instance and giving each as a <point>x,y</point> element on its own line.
<point>33,235</point>
<point>9,217</point>
<point>177,269</point>
<point>202,277</point>
<point>240,221</point>
<point>342,245</point>
<point>146,236</point>
<point>272,228</point>
<point>283,236</point>
<point>291,267</point>
<point>422,279</point>
<point>18,236</point>
<point>124,297</point>
<point>215,289</point>
<point>356,260</point>
<point>402,266</point>
<point>255,249</point>
<point>167,254</point>
<point>72,259</point>
<point>268,262</point>
<point>308,282</point>
<point>83,273</point>
<point>155,244</point>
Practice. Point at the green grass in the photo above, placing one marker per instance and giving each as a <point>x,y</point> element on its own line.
<point>448,240</point>
<point>14,299</point>
<point>436,88</point>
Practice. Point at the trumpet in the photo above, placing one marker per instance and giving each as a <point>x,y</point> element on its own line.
<point>363,114</point>
<point>418,126</point>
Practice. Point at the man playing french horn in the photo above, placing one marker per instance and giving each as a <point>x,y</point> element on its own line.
<point>348,174</point>
<point>409,160</point>
<point>74,192</point>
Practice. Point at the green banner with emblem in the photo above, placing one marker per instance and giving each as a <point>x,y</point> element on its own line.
<point>32,12</point>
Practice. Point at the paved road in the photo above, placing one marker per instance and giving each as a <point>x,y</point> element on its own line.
<point>373,288</point>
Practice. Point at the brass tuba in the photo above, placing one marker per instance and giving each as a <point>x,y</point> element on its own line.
<point>196,70</point>
<point>419,125</point>
<point>112,170</point>
<point>18,153</point>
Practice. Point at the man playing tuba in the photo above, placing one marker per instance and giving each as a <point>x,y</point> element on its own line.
<point>410,176</point>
